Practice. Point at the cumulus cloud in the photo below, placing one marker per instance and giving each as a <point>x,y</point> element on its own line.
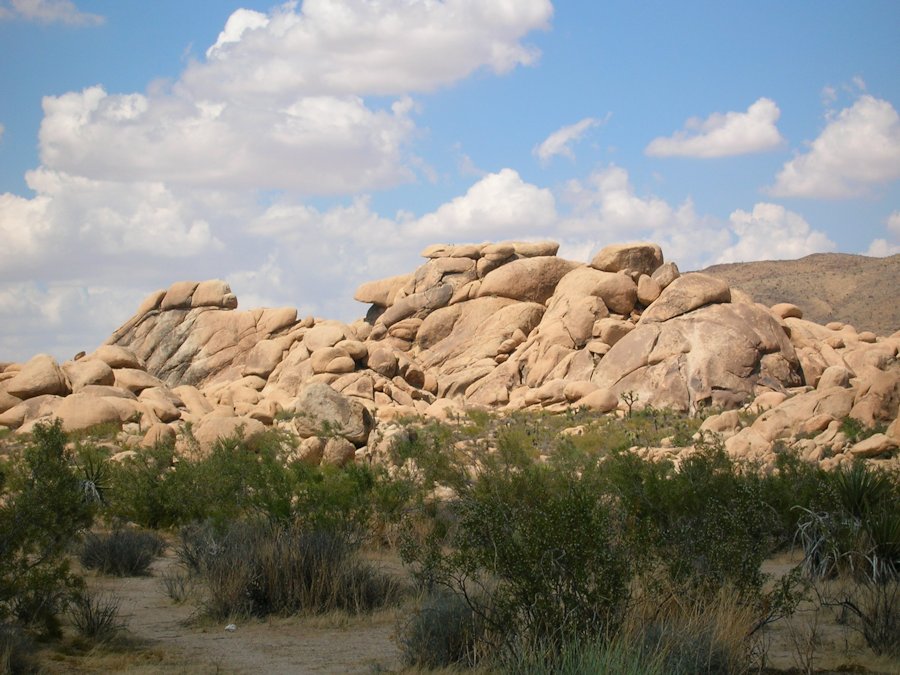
<point>137,190</point>
<point>859,148</point>
<point>771,232</point>
<point>880,248</point>
<point>365,48</point>
<point>606,208</point>
<point>500,205</point>
<point>723,134</point>
<point>48,11</point>
<point>560,141</point>
<point>315,145</point>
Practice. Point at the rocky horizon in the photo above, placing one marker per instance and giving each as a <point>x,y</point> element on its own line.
<point>504,326</point>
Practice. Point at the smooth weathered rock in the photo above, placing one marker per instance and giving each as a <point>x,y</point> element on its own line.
<point>41,375</point>
<point>213,427</point>
<point>643,258</point>
<point>338,451</point>
<point>647,290</point>
<point>685,294</point>
<point>213,293</point>
<point>88,371</point>
<point>179,295</point>
<point>381,292</point>
<point>263,357</point>
<point>665,274</point>
<point>320,408</point>
<point>116,357</point>
<point>158,434</point>
<point>874,445</point>
<point>82,411</point>
<point>786,310</point>
<point>135,381</point>
<point>526,279</point>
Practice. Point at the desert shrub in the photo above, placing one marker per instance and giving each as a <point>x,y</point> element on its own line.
<point>852,553</point>
<point>43,508</point>
<point>532,549</point>
<point>701,526</point>
<point>96,616</point>
<point>17,650</point>
<point>239,479</point>
<point>177,584</point>
<point>261,567</point>
<point>795,485</point>
<point>122,553</point>
<point>444,631</point>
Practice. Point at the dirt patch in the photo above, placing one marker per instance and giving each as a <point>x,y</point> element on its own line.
<point>170,637</point>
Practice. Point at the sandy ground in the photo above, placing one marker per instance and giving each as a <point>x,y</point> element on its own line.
<point>172,638</point>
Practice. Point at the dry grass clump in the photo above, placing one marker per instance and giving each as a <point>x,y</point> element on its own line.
<point>263,568</point>
<point>121,553</point>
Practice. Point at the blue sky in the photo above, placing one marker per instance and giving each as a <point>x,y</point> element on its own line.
<point>297,150</point>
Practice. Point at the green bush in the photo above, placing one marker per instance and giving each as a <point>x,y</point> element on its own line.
<point>44,506</point>
<point>533,550</point>
<point>122,553</point>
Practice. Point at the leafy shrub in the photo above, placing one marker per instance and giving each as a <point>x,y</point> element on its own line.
<point>96,616</point>
<point>122,553</point>
<point>262,568</point>
<point>43,508</point>
<point>443,632</point>
<point>701,526</point>
<point>534,552</point>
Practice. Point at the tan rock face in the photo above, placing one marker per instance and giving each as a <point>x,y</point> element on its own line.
<point>320,408</point>
<point>526,279</point>
<point>685,294</point>
<point>39,376</point>
<point>643,258</point>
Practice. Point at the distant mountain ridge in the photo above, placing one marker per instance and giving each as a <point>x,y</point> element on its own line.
<point>854,289</point>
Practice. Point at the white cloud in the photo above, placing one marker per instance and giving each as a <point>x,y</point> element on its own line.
<point>366,48</point>
<point>2,129</point>
<point>858,149</point>
<point>139,190</point>
<point>880,248</point>
<point>893,223</point>
<point>48,11</point>
<point>771,232</point>
<point>723,135</point>
<point>74,225</point>
<point>561,140</point>
<point>317,144</point>
<point>499,206</point>
<point>606,209</point>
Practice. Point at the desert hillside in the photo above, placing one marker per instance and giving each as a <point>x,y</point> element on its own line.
<point>828,287</point>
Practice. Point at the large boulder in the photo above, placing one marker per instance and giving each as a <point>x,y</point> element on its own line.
<point>82,411</point>
<point>721,354</point>
<point>685,294</point>
<point>526,279</point>
<point>39,376</point>
<point>320,410</point>
<point>643,258</point>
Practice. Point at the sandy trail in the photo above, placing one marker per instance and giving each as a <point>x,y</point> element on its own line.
<point>329,644</point>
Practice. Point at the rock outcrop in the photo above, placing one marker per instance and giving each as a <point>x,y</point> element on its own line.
<point>504,325</point>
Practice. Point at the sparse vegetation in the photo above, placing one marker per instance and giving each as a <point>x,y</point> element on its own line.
<point>532,550</point>
<point>123,553</point>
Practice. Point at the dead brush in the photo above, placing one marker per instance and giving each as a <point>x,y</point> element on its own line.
<point>259,569</point>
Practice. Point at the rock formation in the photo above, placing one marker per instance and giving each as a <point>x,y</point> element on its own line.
<point>505,325</point>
